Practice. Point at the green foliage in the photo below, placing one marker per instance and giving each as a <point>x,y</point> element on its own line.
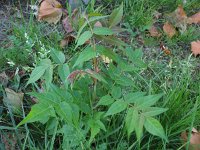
<point>101,92</point>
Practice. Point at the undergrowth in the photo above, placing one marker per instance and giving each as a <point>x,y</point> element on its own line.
<point>101,92</point>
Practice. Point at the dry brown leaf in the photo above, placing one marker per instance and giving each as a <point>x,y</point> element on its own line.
<point>67,40</point>
<point>154,32</point>
<point>194,18</point>
<point>180,13</point>
<point>67,22</point>
<point>3,79</point>
<point>169,29</point>
<point>179,18</point>
<point>13,99</point>
<point>195,47</point>
<point>194,140</point>
<point>50,11</point>
<point>98,24</point>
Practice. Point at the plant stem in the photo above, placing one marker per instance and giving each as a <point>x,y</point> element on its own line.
<point>95,65</point>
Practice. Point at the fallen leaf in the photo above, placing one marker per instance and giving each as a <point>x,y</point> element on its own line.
<point>194,140</point>
<point>13,99</point>
<point>50,11</point>
<point>194,18</point>
<point>169,29</point>
<point>179,18</point>
<point>67,40</point>
<point>3,79</point>
<point>154,32</point>
<point>67,24</point>
<point>98,24</point>
<point>195,47</point>
<point>180,13</point>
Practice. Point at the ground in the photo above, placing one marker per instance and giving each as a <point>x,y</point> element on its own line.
<point>166,66</point>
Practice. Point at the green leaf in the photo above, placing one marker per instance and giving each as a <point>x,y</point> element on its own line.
<point>124,81</point>
<point>111,40</point>
<point>48,76</point>
<point>75,114</point>
<point>105,100</point>
<point>102,31</point>
<point>36,74</point>
<point>147,101</point>
<point>139,127</point>
<point>116,92</point>
<point>91,19</point>
<point>132,97</point>
<point>153,111</point>
<point>94,129</point>
<point>154,127</point>
<point>47,98</point>
<point>95,75</point>
<point>39,112</point>
<point>63,71</point>
<point>57,56</point>
<point>45,62</point>
<point>87,54</point>
<point>101,125</point>
<point>117,107</point>
<point>136,57</point>
<point>83,38</point>
<point>64,110</point>
<point>131,119</point>
<point>116,16</point>
<point>106,52</point>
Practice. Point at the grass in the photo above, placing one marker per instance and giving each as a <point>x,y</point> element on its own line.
<point>177,76</point>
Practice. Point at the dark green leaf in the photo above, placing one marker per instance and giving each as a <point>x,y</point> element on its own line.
<point>63,71</point>
<point>105,100</point>
<point>116,92</point>
<point>39,112</point>
<point>116,16</point>
<point>117,107</point>
<point>87,54</point>
<point>132,97</point>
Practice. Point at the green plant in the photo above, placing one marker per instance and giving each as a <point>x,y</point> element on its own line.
<point>102,90</point>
